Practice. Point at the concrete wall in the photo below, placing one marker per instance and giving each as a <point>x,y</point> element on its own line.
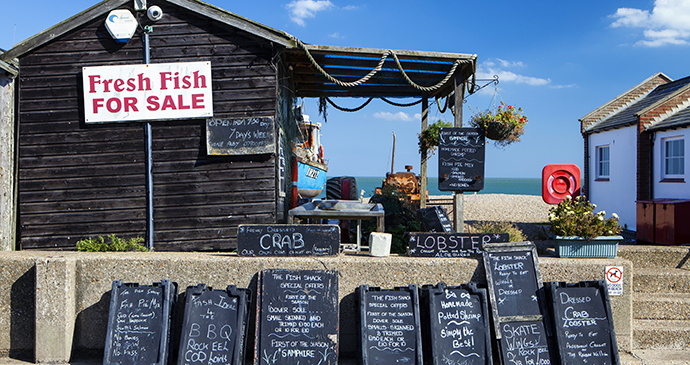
<point>676,189</point>
<point>7,216</point>
<point>618,194</point>
<point>71,291</point>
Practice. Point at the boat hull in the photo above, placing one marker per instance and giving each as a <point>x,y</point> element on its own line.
<point>310,180</point>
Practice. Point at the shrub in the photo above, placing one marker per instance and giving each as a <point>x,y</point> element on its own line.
<point>116,244</point>
<point>576,217</point>
<point>514,232</point>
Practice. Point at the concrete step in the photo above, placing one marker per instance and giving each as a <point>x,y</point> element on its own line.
<point>644,256</point>
<point>655,357</point>
<point>663,306</point>
<point>661,280</point>
<point>661,334</point>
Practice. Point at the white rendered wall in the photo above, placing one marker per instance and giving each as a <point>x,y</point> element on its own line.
<point>618,194</point>
<point>670,190</point>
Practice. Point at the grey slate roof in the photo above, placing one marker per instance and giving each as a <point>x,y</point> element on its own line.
<point>628,116</point>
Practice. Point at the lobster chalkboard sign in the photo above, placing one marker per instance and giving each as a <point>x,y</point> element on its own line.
<point>583,323</point>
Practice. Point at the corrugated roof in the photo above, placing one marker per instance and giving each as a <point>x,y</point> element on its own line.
<point>629,115</point>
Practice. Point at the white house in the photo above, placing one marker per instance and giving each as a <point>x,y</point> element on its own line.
<point>635,148</point>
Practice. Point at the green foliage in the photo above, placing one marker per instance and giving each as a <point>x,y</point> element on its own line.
<point>505,125</point>
<point>576,217</point>
<point>428,139</point>
<point>514,232</point>
<point>400,217</point>
<point>116,244</point>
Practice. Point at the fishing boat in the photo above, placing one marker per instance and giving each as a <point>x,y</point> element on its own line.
<point>311,165</point>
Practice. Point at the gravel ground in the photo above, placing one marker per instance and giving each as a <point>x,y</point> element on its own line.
<point>527,212</point>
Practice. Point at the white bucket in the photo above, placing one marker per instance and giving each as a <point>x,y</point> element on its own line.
<point>380,244</point>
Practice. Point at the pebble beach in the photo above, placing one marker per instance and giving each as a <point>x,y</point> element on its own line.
<point>505,208</point>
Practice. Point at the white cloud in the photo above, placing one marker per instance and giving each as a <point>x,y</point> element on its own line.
<point>399,116</point>
<point>499,67</point>
<point>303,9</point>
<point>668,23</point>
<point>336,35</point>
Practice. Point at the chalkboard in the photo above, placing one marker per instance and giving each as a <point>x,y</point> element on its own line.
<point>452,244</point>
<point>288,240</point>
<point>214,326</point>
<point>389,325</point>
<point>583,323</point>
<point>525,342</point>
<point>513,279</point>
<point>455,325</point>
<point>435,219</point>
<point>139,323</point>
<point>461,159</point>
<point>240,136</point>
<point>298,317</point>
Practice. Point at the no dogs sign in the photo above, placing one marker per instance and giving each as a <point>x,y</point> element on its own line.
<point>614,280</point>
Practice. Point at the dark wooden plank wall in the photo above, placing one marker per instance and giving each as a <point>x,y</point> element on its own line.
<point>79,181</point>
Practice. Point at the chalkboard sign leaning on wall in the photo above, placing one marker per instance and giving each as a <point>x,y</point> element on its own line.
<point>389,325</point>
<point>455,325</point>
<point>139,323</point>
<point>583,323</point>
<point>214,326</point>
<point>297,320</point>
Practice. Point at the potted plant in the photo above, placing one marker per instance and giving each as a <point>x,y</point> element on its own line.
<point>580,232</point>
<point>505,125</point>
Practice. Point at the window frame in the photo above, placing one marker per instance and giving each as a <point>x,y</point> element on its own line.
<point>674,176</point>
<point>600,162</point>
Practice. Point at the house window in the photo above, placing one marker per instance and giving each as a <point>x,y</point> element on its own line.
<point>603,162</point>
<point>673,158</point>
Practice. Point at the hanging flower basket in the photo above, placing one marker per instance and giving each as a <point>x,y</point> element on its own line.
<point>498,131</point>
<point>504,125</point>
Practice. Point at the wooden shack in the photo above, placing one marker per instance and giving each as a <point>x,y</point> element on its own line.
<point>78,179</point>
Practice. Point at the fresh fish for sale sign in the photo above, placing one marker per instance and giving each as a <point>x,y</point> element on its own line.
<point>126,93</point>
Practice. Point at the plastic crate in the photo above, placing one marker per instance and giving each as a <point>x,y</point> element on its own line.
<point>581,247</point>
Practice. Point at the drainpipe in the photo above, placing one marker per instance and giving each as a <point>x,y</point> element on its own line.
<point>149,158</point>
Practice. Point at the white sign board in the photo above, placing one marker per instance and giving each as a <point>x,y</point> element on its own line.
<point>121,25</point>
<point>158,91</point>
<point>614,280</point>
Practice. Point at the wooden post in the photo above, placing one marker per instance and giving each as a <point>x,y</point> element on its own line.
<point>458,213</point>
<point>425,124</point>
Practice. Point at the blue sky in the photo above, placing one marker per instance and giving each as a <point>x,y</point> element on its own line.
<point>558,60</point>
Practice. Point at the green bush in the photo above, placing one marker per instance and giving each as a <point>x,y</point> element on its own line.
<point>514,232</point>
<point>116,244</point>
<point>400,217</point>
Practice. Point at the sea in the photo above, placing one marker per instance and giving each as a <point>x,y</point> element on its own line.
<point>515,186</point>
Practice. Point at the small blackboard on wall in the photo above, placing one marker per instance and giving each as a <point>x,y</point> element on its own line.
<point>288,240</point>
<point>455,323</point>
<point>525,342</point>
<point>240,136</point>
<point>139,323</point>
<point>452,244</point>
<point>583,323</point>
<point>461,159</point>
<point>389,325</point>
<point>297,321</point>
<point>214,326</point>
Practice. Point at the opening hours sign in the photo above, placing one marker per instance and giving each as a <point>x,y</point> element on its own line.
<point>160,91</point>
